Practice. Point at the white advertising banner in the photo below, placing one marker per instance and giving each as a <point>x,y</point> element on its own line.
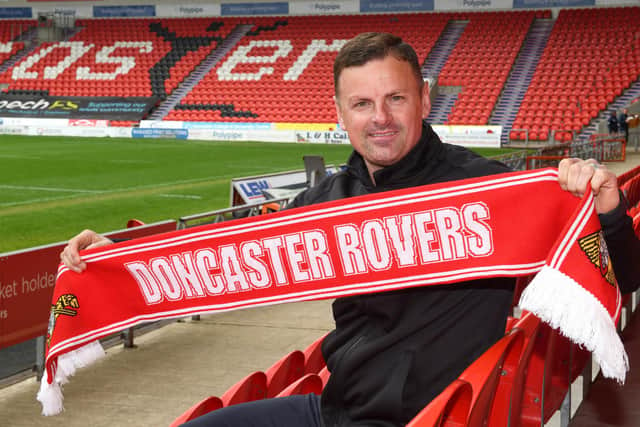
<point>323,7</point>
<point>99,132</point>
<point>472,4</point>
<point>25,121</point>
<point>322,137</point>
<point>243,135</point>
<point>470,136</point>
<point>52,123</point>
<point>63,13</point>
<point>187,10</point>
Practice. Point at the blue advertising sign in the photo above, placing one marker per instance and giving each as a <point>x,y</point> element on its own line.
<point>159,133</point>
<point>15,12</point>
<point>530,4</point>
<point>381,6</point>
<point>277,8</point>
<point>123,11</point>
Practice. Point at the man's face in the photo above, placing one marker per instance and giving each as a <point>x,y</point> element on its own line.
<point>381,106</point>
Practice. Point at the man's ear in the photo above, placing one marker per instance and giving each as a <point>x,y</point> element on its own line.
<point>339,113</point>
<point>426,101</point>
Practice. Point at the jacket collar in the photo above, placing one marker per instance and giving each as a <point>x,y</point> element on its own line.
<point>420,157</point>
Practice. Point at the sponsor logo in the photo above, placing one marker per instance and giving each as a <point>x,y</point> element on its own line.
<point>40,104</point>
<point>190,10</point>
<point>66,305</point>
<point>594,246</point>
<point>326,7</point>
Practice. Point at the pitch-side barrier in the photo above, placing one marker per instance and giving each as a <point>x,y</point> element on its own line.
<point>27,278</point>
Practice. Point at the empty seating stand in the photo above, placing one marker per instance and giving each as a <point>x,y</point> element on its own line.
<point>119,57</point>
<point>482,60</point>
<point>10,31</point>
<point>281,70</point>
<point>592,55</point>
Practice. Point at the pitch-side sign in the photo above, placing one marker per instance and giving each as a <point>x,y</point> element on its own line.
<point>27,279</point>
<point>112,108</point>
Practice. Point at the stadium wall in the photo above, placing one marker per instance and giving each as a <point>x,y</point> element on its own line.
<point>134,8</point>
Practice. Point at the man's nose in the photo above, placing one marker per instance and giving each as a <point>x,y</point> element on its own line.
<point>382,115</point>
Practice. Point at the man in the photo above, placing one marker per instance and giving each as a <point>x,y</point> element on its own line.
<point>393,352</point>
<point>623,123</point>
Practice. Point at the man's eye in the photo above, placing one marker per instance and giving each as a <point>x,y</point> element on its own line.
<point>360,104</point>
<point>397,98</point>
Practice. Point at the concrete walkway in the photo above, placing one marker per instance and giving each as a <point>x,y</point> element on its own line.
<point>173,367</point>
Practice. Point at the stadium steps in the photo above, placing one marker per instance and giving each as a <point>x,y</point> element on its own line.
<point>621,102</point>
<point>441,107</point>
<point>29,38</point>
<point>434,63</point>
<point>507,108</point>
<point>442,49</point>
<point>199,72</point>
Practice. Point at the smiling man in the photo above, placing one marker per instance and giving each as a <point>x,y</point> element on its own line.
<point>392,352</point>
<point>383,112</point>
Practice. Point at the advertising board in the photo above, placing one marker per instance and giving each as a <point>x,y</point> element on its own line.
<point>27,278</point>
<point>469,136</point>
<point>105,108</point>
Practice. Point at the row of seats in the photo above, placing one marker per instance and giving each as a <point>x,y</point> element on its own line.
<point>298,372</point>
<point>521,380</point>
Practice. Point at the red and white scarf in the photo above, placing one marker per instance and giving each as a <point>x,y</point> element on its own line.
<point>512,224</point>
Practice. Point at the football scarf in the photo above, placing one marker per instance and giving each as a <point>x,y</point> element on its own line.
<point>512,224</point>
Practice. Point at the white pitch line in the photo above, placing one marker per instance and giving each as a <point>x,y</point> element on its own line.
<point>53,189</point>
<point>113,190</point>
<point>181,196</point>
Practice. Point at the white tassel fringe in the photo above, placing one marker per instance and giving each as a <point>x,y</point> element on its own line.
<point>561,302</point>
<point>50,395</point>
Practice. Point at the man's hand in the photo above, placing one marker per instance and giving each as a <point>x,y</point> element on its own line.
<point>88,239</point>
<point>577,176</point>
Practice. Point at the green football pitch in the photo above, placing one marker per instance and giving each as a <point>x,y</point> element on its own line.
<point>51,188</point>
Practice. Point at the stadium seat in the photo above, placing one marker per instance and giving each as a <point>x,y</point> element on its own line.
<point>449,409</point>
<point>507,403</point>
<point>309,383</point>
<point>483,375</point>
<point>324,375</point>
<point>313,359</point>
<point>250,388</point>
<point>547,379</point>
<point>284,372</point>
<point>134,223</point>
<point>203,407</point>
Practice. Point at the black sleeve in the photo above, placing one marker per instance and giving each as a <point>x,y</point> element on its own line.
<point>624,247</point>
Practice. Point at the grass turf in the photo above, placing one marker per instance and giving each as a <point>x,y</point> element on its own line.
<point>51,188</point>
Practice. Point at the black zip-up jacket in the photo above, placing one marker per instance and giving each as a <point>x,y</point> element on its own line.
<point>391,353</point>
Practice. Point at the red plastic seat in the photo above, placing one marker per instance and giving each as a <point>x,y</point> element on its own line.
<point>449,409</point>
<point>324,375</point>
<point>313,358</point>
<point>250,388</point>
<point>547,379</point>
<point>310,383</point>
<point>205,406</point>
<point>483,375</point>
<point>284,372</point>
<point>507,402</point>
